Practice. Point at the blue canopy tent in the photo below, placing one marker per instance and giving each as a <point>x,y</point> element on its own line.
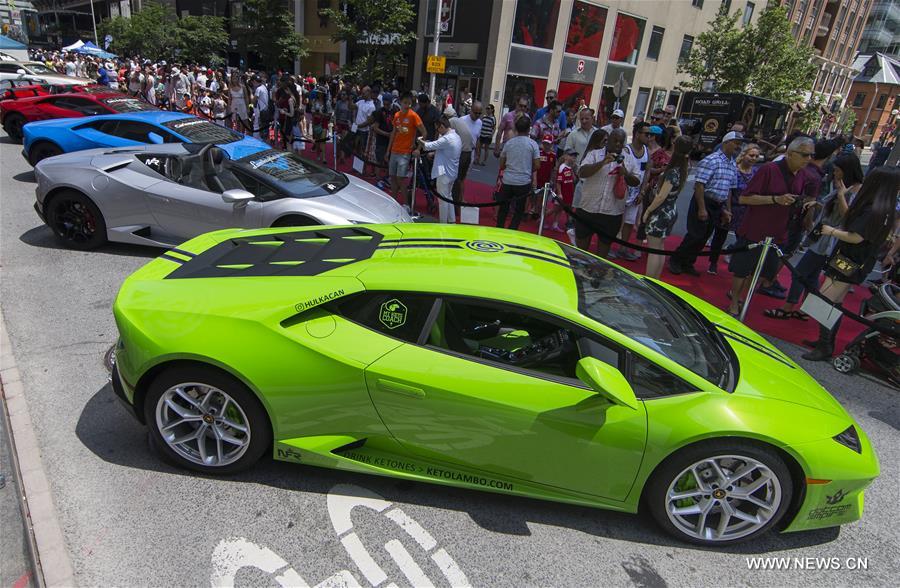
<point>91,49</point>
<point>13,48</point>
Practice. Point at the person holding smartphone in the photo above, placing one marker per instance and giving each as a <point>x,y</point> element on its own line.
<point>769,196</point>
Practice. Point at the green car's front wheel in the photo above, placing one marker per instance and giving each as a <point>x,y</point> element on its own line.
<point>720,494</point>
<point>206,420</point>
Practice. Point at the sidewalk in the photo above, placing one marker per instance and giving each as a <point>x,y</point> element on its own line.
<point>16,569</point>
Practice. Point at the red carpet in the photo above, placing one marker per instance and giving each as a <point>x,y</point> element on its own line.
<point>711,288</point>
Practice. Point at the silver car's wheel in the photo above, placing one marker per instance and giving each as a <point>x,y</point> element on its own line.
<point>723,498</point>
<point>203,424</point>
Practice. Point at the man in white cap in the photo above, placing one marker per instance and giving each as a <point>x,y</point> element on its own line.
<point>716,177</point>
<point>615,120</point>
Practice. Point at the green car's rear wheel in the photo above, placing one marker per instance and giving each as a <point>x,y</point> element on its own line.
<point>720,494</point>
<point>205,420</point>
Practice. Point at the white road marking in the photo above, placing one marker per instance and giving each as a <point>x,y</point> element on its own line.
<point>363,559</point>
<point>408,565</point>
<point>234,554</point>
<point>412,528</point>
<point>341,500</point>
<point>237,553</point>
<point>451,571</point>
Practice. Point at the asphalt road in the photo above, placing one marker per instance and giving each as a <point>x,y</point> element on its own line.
<point>130,520</point>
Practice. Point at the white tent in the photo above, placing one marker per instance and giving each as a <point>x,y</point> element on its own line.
<point>76,45</point>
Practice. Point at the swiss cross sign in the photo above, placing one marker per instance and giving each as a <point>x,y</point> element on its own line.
<point>580,66</point>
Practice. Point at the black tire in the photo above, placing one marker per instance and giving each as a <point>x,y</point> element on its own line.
<point>42,150</point>
<point>258,422</point>
<point>656,490</point>
<point>13,126</point>
<point>75,220</point>
<point>295,220</point>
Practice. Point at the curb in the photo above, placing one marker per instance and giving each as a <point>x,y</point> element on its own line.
<point>52,563</point>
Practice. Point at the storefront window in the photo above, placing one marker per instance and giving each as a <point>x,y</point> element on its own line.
<point>571,93</point>
<point>627,37</point>
<point>659,99</point>
<point>535,24</point>
<point>608,100</point>
<point>516,86</point>
<point>586,29</point>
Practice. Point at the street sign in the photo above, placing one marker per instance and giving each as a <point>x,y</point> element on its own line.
<point>620,88</point>
<point>436,64</point>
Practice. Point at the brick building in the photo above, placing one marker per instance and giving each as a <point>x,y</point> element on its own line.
<point>875,96</point>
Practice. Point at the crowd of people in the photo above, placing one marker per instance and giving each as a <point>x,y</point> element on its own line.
<point>805,193</point>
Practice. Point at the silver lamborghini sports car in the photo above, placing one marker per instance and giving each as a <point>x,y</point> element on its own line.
<point>163,195</point>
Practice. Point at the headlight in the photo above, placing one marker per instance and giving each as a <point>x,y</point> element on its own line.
<point>849,438</point>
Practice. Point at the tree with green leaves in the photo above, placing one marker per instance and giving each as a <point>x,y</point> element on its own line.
<point>266,27</point>
<point>376,32</point>
<point>157,33</point>
<point>202,39</point>
<point>811,119</point>
<point>762,59</point>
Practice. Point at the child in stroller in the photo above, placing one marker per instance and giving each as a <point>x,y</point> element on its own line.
<point>874,349</point>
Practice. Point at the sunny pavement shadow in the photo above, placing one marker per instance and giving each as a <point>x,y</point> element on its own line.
<point>107,430</point>
<point>42,236</point>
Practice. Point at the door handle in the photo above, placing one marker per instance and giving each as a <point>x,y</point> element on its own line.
<point>398,388</point>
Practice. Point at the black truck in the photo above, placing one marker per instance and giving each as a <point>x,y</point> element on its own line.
<point>707,116</point>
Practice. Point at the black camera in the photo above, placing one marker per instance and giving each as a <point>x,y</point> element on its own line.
<point>815,234</point>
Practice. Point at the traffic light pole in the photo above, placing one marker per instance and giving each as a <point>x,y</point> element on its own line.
<point>437,35</point>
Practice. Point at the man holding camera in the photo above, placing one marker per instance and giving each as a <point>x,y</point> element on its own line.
<point>602,203</point>
<point>769,196</point>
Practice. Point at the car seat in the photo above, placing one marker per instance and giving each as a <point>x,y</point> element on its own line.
<point>218,177</point>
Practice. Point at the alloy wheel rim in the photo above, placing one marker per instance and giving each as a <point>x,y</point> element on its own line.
<point>203,424</point>
<point>842,363</point>
<point>723,498</point>
<point>74,222</point>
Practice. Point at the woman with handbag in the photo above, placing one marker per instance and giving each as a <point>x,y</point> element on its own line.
<point>867,225</point>
<point>848,178</point>
<point>659,216</point>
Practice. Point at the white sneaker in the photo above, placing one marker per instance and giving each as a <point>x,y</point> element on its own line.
<point>571,234</point>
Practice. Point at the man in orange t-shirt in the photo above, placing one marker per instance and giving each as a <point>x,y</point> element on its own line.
<point>400,147</point>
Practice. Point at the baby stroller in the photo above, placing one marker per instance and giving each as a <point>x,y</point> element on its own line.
<point>877,351</point>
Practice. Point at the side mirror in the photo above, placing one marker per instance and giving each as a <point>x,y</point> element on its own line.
<point>607,381</point>
<point>237,196</point>
<point>155,138</point>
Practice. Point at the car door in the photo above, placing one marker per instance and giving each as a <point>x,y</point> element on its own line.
<point>491,387</point>
<point>185,207</point>
<point>54,107</point>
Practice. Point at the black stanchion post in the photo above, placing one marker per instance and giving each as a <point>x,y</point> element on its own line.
<point>767,244</point>
<point>334,146</point>
<point>412,193</point>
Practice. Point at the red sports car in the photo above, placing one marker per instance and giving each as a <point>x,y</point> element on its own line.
<point>12,89</point>
<point>14,114</point>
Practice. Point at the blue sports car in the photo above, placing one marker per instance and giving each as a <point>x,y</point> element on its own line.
<point>47,138</point>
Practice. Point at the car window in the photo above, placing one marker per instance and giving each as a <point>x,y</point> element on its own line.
<point>401,315</point>
<point>40,68</point>
<point>127,104</point>
<point>136,131</point>
<point>651,381</point>
<point>197,130</point>
<point>254,186</point>
<point>80,105</point>
<point>509,336</point>
<point>9,67</point>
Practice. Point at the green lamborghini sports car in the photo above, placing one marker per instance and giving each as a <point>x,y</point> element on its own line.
<point>485,359</point>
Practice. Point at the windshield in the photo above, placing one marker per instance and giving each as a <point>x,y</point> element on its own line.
<point>197,130</point>
<point>642,312</point>
<point>126,104</point>
<point>292,174</point>
<point>41,69</point>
